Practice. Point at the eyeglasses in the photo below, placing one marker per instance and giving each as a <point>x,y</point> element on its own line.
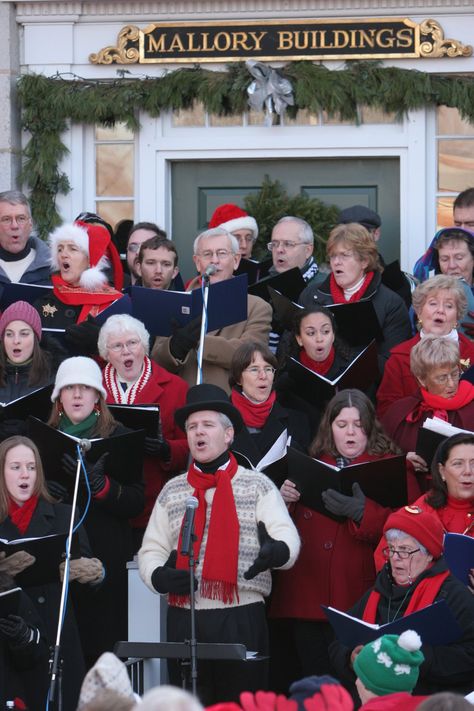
<point>133,247</point>
<point>343,256</point>
<point>130,345</point>
<point>453,376</point>
<point>19,219</point>
<point>402,553</point>
<point>285,243</point>
<point>256,370</point>
<point>220,253</point>
<point>249,239</point>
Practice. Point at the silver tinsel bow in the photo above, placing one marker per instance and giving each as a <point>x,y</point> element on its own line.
<point>268,89</point>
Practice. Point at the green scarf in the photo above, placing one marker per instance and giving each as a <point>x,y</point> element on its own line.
<point>82,429</point>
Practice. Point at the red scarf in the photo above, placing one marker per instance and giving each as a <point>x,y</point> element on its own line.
<point>318,366</point>
<point>440,406</point>
<point>254,414</point>
<point>337,292</point>
<point>21,515</point>
<point>424,594</point>
<point>219,570</point>
<point>92,302</point>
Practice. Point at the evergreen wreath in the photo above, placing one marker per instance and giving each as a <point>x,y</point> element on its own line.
<point>50,104</point>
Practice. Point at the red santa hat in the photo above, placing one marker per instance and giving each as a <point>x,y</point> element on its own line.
<point>96,243</point>
<point>232,217</point>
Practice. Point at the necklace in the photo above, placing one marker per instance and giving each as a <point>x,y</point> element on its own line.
<point>399,607</point>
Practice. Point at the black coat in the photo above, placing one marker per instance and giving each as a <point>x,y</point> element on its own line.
<point>446,667</point>
<point>255,446</point>
<point>392,314</point>
<point>47,519</point>
<point>24,671</point>
<point>102,612</point>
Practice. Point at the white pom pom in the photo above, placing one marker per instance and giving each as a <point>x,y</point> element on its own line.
<point>410,640</point>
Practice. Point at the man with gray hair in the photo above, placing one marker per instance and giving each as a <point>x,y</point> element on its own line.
<point>23,257</point>
<point>218,249</point>
<point>292,246</point>
<point>243,530</point>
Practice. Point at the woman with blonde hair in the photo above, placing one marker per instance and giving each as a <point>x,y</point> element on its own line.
<point>440,304</point>
<point>356,276</point>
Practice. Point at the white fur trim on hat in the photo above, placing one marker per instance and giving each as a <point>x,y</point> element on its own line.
<point>94,277</point>
<point>241,223</point>
<point>67,233</point>
<point>78,371</point>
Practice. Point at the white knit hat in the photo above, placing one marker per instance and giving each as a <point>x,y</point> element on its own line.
<point>107,673</point>
<point>78,371</point>
<point>93,240</point>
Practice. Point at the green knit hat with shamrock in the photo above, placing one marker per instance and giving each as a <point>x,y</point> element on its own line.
<point>390,663</point>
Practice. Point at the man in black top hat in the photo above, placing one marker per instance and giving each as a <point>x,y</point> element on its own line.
<point>243,530</point>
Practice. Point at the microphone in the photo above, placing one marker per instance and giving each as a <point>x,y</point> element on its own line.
<point>210,270</point>
<point>186,538</point>
<point>85,445</point>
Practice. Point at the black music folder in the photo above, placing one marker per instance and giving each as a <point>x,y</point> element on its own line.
<point>383,480</point>
<point>435,624</point>
<point>48,551</point>
<point>253,269</point>
<point>157,308</point>
<point>357,322</point>
<point>459,555</point>
<point>124,461</point>
<point>289,283</point>
<point>316,388</point>
<point>37,403</point>
<point>138,417</point>
<point>16,291</point>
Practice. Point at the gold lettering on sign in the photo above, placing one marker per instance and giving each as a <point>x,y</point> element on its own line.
<point>285,39</point>
<point>156,45</point>
<point>404,37</point>
<point>258,37</point>
<point>385,39</point>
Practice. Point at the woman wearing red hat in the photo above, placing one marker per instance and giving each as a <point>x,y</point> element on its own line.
<point>415,576</point>
<point>81,256</point>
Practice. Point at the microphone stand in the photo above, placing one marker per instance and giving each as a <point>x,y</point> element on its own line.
<point>192,610</point>
<point>55,662</point>
<point>205,296</point>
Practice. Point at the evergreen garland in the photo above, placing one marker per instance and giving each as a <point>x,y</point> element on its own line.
<point>49,104</point>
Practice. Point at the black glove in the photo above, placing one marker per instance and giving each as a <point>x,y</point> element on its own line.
<point>468,326</point>
<point>349,506</point>
<point>12,427</point>
<point>57,490</point>
<point>81,338</point>
<point>272,554</point>
<point>185,338</point>
<point>166,579</point>
<point>15,630</point>
<point>158,447</point>
<point>95,472</point>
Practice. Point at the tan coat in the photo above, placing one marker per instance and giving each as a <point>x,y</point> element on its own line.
<point>219,346</point>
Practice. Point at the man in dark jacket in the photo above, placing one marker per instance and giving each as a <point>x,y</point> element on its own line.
<point>23,258</point>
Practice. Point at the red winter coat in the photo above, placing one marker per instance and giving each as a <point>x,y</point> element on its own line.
<point>169,392</point>
<point>405,433</point>
<point>336,565</point>
<point>398,381</point>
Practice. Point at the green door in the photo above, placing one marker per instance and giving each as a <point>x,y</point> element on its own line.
<point>198,187</point>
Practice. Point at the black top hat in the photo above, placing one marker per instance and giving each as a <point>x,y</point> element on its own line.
<point>208,397</point>
<point>361,214</point>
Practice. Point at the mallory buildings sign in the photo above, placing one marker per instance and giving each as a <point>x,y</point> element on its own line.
<point>282,40</point>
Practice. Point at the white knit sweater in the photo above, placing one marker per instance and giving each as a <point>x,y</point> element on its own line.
<point>256,499</point>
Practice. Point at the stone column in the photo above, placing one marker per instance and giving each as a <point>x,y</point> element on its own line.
<point>9,115</point>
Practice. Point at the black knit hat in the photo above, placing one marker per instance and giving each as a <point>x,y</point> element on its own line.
<point>361,214</point>
<point>208,397</point>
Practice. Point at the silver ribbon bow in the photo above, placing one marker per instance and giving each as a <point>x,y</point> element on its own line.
<point>269,89</point>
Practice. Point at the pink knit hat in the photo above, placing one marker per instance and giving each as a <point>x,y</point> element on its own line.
<point>232,217</point>
<point>21,311</point>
